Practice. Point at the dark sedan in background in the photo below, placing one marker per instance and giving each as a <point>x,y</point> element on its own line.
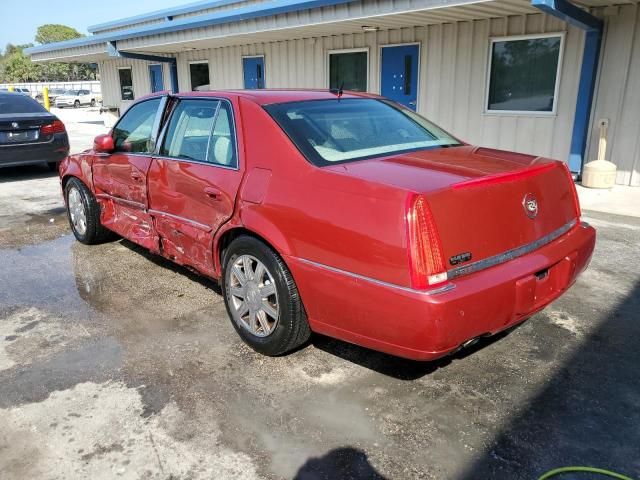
<point>29,134</point>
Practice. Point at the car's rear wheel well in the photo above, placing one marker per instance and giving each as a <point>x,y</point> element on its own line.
<point>230,235</point>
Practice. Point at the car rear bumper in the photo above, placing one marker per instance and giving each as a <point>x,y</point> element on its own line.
<point>30,153</point>
<point>427,325</point>
<point>64,103</point>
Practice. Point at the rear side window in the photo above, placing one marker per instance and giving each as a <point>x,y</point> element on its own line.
<point>201,130</point>
<point>18,103</point>
<point>134,131</point>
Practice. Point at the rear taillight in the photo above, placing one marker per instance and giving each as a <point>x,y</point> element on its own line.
<point>574,192</point>
<point>55,127</point>
<point>425,250</point>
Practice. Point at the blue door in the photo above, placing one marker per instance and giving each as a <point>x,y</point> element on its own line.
<point>155,75</point>
<point>399,72</point>
<point>253,69</point>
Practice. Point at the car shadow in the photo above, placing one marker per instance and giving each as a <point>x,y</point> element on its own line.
<point>587,412</point>
<point>340,463</point>
<point>396,367</point>
<point>174,267</point>
<point>385,364</point>
<point>26,172</point>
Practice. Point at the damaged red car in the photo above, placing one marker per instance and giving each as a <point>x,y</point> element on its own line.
<point>342,214</point>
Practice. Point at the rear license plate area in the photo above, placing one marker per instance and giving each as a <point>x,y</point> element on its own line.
<point>20,136</point>
<point>536,290</point>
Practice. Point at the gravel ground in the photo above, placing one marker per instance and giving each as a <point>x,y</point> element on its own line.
<point>116,364</point>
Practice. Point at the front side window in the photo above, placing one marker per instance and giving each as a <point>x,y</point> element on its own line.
<point>348,70</point>
<point>134,132</point>
<point>340,130</point>
<point>523,74</point>
<point>201,130</point>
<point>199,75</point>
<point>126,84</point>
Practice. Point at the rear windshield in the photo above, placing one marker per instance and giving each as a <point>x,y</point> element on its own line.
<point>335,131</point>
<point>18,103</point>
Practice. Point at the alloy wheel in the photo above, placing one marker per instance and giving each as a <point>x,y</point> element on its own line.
<point>253,296</point>
<point>77,211</point>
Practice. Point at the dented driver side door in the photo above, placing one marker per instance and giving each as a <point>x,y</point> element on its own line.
<point>120,177</point>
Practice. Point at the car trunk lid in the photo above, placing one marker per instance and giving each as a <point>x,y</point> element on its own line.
<point>484,202</point>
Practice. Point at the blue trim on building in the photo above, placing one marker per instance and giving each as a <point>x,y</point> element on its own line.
<point>276,7</point>
<point>168,14</point>
<point>113,51</point>
<point>586,87</point>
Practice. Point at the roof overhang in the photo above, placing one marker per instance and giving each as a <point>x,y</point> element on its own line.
<point>243,14</point>
<point>277,21</point>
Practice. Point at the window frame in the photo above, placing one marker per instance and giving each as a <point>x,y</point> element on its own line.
<point>348,50</point>
<point>163,133</point>
<point>556,88</point>
<point>196,62</point>
<point>155,129</point>
<point>130,68</point>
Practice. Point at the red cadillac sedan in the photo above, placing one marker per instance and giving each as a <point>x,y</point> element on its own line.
<point>338,213</point>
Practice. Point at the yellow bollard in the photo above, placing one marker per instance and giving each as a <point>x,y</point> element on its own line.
<point>11,88</point>
<point>45,99</point>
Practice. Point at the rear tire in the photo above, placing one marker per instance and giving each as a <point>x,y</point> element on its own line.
<point>76,104</point>
<point>262,299</point>
<point>93,102</point>
<point>83,213</point>
<point>53,166</point>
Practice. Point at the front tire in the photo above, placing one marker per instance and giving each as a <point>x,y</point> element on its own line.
<point>262,299</point>
<point>76,104</point>
<point>83,213</point>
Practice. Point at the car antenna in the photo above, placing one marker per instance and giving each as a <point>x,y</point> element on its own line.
<point>338,91</point>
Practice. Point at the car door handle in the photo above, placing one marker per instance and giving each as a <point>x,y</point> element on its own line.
<point>213,193</point>
<point>136,176</point>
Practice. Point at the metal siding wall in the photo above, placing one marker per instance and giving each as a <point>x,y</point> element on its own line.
<point>618,95</point>
<point>110,80</point>
<point>453,70</point>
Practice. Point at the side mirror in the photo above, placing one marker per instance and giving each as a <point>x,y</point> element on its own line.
<point>103,144</point>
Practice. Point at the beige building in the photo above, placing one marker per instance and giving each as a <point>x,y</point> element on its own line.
<point>534,76</point>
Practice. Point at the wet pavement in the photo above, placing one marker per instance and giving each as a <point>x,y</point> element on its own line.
<point>116,364</point>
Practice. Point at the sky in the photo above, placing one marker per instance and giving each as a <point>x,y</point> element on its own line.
<point>18,23</point>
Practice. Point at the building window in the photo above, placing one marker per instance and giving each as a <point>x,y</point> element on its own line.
<point>524,73</point>
<point>199,75</point>
<point>126,84</point>
<point>349,69</point>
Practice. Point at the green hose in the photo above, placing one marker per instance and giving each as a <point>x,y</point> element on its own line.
<point>601,471</point>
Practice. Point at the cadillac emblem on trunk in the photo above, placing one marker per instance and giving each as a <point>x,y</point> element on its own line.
<point>530,205</point>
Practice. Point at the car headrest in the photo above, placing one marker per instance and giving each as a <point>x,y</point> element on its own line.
<point>222,151</point>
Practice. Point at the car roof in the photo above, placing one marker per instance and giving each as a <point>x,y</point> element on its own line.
<point>271,96</point>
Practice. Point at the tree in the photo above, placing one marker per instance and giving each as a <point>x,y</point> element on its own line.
<point>20,68</point>
<point>53,32</point>
<point>15,66</point>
